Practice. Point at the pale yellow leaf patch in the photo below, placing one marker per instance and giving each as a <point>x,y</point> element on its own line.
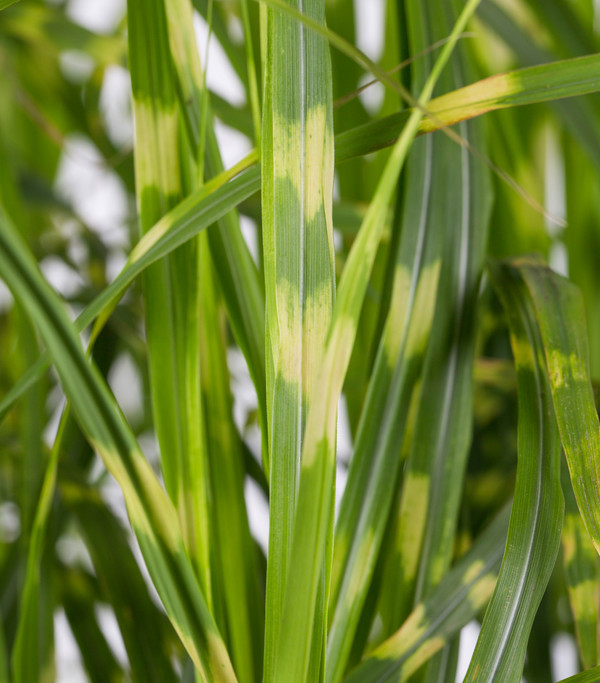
<point>415,502</point>
<point>482,591</point>
<point>319,157</point>
<point>473,572</point>
<point>522,352</point>
<point>568,539</point>
<point>356,577</point>
<point>166,174</point>
<point>584,598</point>
<point>288,359</point>
<point>424,308</point>
<point>396,323</point>
<point>315,184</point>
<point>425,652</point>
<point>322,416</point>
<point>412,631</point>
<point>317,316</point>
<point>562,368</point>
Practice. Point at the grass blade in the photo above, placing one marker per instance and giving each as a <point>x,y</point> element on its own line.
<point>99,661</point>
<point>373,476</point>
<point>171,285</point>
<point>297,197</point>
<point>590,676</point>
<point>561,317</point>
<point>581,116</point>
<point>440,438</point>
<point>456,600</point>
<point>531,85</point>
<point>314,506</point>
<point>237,587</point>
<point>152,515</point>
<point>237,274</point>
<point>123,585</point>
<point>583,579</point>
<point>26,663</point>
<point>537,512</point>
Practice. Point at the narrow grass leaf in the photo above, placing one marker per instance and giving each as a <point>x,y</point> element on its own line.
<point>543,83</point>
<point>297,197</point>
<point>537,511</point>
<point>582,574</point>
<point>559,310</point>
<point>457,210</point>
<point>99,661</point>
<point>171,285</point>
<point>580,116</point>
<point>151,513</point>
<point>123,585</point>
<point>458,598</point>
<point>238,276</point>
<point>239,602</point>
<point>531,85</point>
<point>26,664</point>
<point>590,676</point>
<point>315,498</point>
<point>4,663</point>
<point>236,54</point>
<point>435,201</point>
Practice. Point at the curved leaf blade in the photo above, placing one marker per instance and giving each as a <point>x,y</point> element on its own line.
<point>151,513</point>
<point>462,592</point>
<point>537,513</point>
<point>561,318</point>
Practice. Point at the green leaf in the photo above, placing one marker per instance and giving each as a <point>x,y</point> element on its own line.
<point>580,116</point>
<point>237,584</point>
<point>590,676</point>
<point>455,211</point>
<point>297,158</point>
<point>26,663</point>
<point>238,276</point>
<point>463,591</point>
<point>537,512</point>
<point>123,585</point>
<point>152,516</point>
<point>315,497</point>
<point>100,663</point>
<point>561,319</point>
<point>582,573</point>
<point>436,221</point>
<point>532,85</point>
<point>171,285</point>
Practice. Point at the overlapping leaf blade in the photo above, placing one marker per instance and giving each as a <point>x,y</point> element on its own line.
<point>431,208</point>
<point>315,499</point>
<point>537,512</point>
<point>152,515</point>
<point>457,212</point>
<point>457,598</point>
<point>561,318</point>
<point>171,285</point>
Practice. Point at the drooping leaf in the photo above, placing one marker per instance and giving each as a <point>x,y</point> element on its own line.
<point>537,512</point>
<point>152,515</point>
